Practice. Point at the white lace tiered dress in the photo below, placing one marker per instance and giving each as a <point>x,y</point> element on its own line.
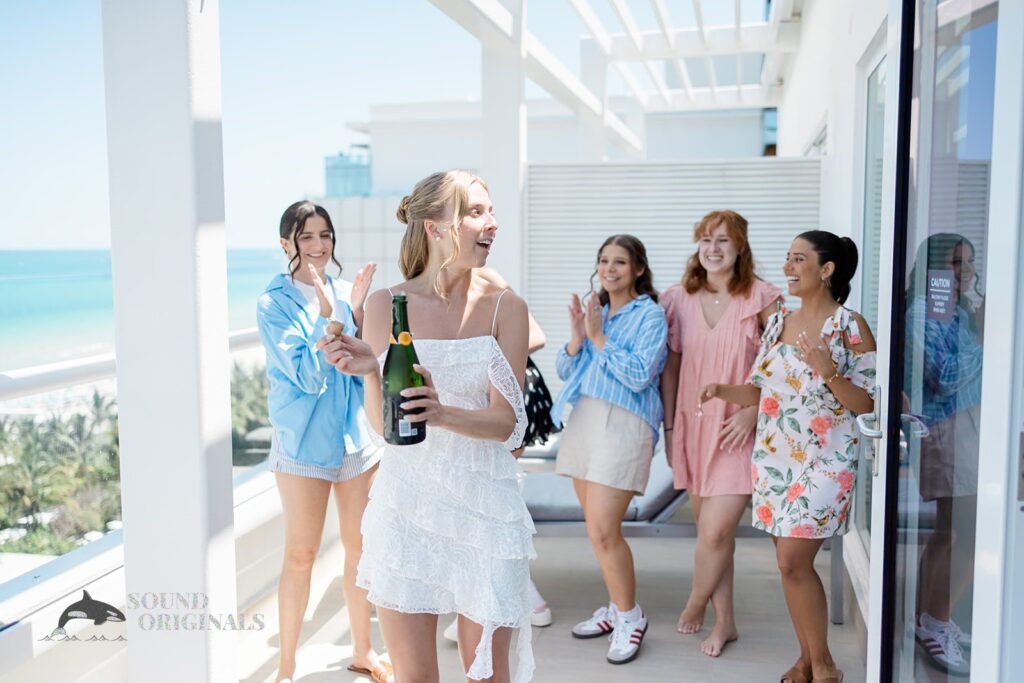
<point>446,529</point>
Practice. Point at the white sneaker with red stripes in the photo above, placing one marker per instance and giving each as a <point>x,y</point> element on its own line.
<point>940,642</point>
<point>626,638</point>
<point>600,624</point>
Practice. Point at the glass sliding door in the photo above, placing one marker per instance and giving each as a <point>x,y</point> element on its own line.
<point>939,343</point>
<point>874,143</point>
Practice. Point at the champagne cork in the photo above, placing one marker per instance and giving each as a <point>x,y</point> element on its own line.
<point>335,328</point>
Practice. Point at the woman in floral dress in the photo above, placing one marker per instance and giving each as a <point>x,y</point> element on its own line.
<point>814,373</point>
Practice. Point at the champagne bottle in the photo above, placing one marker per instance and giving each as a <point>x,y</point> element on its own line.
<point>399,375</point>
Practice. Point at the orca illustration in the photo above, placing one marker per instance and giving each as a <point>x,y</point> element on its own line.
<point>87,608</point>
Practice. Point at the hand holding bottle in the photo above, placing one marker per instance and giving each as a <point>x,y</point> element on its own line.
<point>424,400</point>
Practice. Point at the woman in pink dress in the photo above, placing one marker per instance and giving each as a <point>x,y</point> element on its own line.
<point>715,318</point>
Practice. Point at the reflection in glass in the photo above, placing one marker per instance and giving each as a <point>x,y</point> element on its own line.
<point>944,327</point>
<point>943,308</point>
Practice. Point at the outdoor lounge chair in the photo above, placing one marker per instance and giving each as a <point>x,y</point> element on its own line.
<point>556,511</point>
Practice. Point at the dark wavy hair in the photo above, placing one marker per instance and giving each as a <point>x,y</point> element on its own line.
<point>937,252</point>
<point>842,252</point>
<point>637,260</point>
<point>293,222</point>
<point>743,271</point>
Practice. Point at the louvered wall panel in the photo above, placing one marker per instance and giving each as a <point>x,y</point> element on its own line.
<point>572,208</point>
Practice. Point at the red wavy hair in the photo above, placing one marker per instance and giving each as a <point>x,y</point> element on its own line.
<point>743,276</point>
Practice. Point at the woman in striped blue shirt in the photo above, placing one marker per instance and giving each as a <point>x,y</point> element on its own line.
<point>611,368</point>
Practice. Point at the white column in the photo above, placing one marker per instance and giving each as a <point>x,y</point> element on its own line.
<point>503,143</point>
<point>162,72</point>
<point>594,74</point>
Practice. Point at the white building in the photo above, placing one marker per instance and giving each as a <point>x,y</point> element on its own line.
<point>411,140</point>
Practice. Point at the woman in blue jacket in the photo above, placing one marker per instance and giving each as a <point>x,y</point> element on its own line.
<point>320,434</point>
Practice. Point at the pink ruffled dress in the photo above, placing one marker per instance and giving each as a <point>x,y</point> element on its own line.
<point>721,354</point>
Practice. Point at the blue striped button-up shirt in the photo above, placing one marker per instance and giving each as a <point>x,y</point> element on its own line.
<point>626,372</point>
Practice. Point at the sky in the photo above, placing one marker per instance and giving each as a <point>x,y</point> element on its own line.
<point>293,75</point>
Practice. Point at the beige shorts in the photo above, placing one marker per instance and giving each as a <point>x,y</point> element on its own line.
<point>606,444</point>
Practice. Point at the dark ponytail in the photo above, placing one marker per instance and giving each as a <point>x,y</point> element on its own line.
<point>842,252</point>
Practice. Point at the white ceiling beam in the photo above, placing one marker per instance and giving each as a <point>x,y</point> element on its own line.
<point>714,41</point>
<point>593,23</point>
<point>632,83</point>
<point>542,67</point>
<point>472,14</point>
<point>698,15</point>
<point>633,33</point>
<point>665,23</point>
<point>747,97</point>
<point>600,36</point>
<point>709,64</point>
<point>779,23</point>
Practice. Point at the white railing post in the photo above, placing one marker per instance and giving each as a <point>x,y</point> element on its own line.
<point>162,74</point>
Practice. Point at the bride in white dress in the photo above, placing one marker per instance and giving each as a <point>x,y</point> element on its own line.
<point>446,529</point>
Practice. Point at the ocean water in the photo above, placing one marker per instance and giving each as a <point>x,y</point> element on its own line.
<point>59,305</point>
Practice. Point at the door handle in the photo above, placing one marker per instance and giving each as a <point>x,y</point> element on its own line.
<point>918,429</point>
<point>867,423</point>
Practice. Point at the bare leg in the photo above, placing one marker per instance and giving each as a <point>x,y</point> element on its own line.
<point>350,497</point>
<point>691,619</point>
<point>412,645</point>
<point>947,563</point>
<point>803,663</point>
<point>304,503</point>
<point>469,637</point>
<point>805,597</point>
<point>580,487</point>
<point>712,574</point>
<point>604,511</point>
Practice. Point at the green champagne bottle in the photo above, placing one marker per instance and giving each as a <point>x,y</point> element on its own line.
<point>399,375</point>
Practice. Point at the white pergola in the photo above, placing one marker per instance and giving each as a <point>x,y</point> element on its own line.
<point>165,160</point>
<point>511,54</point>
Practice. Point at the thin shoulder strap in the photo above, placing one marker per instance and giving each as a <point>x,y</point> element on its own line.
<point>494,323</point>
<point>391,293</point>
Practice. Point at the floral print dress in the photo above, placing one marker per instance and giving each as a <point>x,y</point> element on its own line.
<point>805,454</point>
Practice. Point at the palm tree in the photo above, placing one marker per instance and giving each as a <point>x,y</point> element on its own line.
<point>102,412</point>
<point>36,479</point>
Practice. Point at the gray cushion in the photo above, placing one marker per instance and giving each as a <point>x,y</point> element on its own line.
<point>551,498</point>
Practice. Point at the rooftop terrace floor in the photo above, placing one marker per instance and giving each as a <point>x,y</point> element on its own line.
<point>567,576</point>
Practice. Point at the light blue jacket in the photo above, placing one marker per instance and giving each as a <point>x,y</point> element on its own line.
<point>316,412</point>
<point>627,371</point>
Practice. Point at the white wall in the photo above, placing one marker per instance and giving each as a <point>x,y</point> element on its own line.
<point>367,230</point>
<point>572,208</point>
<point>820,89</point>
<point>705,135</point>
<point>410,141</point>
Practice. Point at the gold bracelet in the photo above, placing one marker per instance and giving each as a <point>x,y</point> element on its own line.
<point>829,380</point>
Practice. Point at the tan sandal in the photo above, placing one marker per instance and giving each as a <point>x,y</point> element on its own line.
<point>382,673</point>
<point>794,675</point>
<point>838,678</point>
